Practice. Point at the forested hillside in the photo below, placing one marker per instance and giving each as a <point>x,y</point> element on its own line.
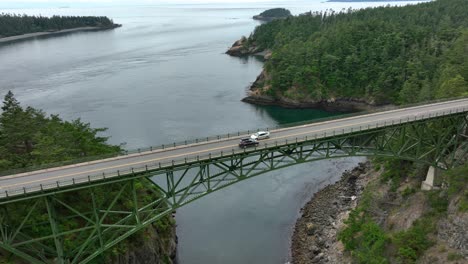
<point>30,138</point>
<point>272,14</point>
<point>381,55</point>
<point>12,24</point>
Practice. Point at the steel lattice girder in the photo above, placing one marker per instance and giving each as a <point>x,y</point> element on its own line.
<point>104,221</point>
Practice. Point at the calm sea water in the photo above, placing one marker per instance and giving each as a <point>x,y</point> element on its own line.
<point>164,77</point>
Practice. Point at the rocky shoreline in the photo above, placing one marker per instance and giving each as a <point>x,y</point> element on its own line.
<point>331,105</point>
<point>241,49</point>
<point>257,94</point>
<point>315,234</point>
<point>53,33</point>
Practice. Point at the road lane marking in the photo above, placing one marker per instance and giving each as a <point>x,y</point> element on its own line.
<point>201,151</point>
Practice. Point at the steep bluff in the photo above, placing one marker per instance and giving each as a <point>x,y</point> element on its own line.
<point>152,246</point>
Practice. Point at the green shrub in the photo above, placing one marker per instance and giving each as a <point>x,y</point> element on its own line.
<point>439,203</point>
<point>364,238</point>
<point>454,256</point>
<point>414,241</point>
<point>408,191</point>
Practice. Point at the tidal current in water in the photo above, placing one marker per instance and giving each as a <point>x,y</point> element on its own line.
<point>164,77</point>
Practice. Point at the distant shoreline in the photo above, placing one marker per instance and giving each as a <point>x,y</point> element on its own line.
<point>52,33</point>
<point>357,1</point>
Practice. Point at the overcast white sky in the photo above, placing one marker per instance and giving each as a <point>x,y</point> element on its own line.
<point>128,1</point>
<point>55,3</point>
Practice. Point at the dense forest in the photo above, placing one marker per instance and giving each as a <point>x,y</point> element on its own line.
<point>382,55</point>
<point>30,138</point>
<point>273,13</point>
<point>13,24</point>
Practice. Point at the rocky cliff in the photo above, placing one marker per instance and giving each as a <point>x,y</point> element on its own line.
<point>432,223</point>
<point>154,245</point>
<point>295,98</point>
<point>240,48</point>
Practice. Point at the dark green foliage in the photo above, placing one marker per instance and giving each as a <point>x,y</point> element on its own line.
<point>383,55</point>
<point>408,191</point>
<point>81,201</point>
<point>364,238</point>
<point>412,243</point>
<point>438,202</point>
<point>12,24</point>
<point>458,185</point>
<point>395,171</point>
<point>369,243</point>
<point>276,12</point>
<point>29,138</point>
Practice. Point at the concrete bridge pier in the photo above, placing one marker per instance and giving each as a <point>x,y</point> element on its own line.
<point>432,173</point>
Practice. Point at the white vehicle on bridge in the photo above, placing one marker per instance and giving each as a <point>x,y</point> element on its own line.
<point>260,135</point>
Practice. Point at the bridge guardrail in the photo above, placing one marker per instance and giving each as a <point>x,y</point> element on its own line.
<point>221,154</point>
<point>211,138</point>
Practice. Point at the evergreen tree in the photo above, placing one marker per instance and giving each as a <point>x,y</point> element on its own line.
<point>28,137</point>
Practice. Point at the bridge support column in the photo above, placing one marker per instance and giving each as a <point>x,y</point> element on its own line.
<point>428,184</point>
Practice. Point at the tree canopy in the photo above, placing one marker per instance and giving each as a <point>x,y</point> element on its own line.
<point>13,24</point>
<point>276,12</point>
<point>29,138</point>
<point>382,55</point>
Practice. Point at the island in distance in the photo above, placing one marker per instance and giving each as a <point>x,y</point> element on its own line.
<point>272,14</point>
<point>373,0</point>
<point>15,27</point>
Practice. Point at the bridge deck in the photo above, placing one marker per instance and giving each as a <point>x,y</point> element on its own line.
<point>150,158</point>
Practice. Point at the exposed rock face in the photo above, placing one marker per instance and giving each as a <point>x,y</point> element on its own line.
<point>453,229</point>
<point>240,48</point>
<point>314,239</point>
<point>152,249</point>
<point>334,105</point>
<point>266,19</point>
<point>258,95</point>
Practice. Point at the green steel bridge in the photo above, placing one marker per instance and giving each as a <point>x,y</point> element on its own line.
<point>177,174</point>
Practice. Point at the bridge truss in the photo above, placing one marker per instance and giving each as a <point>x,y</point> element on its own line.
<point>37,226</point>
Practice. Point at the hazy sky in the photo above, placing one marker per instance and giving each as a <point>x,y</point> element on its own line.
<point>73,3</point>
<point>4,2</point>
